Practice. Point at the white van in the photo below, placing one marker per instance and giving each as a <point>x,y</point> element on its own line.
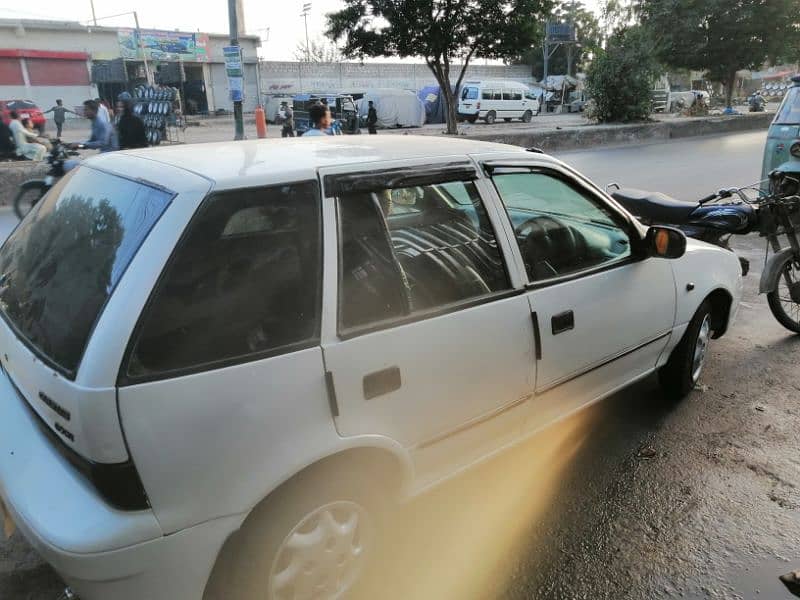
<point>497,99</point>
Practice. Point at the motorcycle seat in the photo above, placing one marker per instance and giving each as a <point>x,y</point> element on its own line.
<point>654,206</point>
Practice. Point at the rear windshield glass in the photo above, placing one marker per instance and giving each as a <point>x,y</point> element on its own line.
<point>789,112</point>
<point>62,263</point>
<point>20,104</point>
<point>469,93</point>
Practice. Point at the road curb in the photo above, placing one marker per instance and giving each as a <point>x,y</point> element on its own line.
<point>592,136</point>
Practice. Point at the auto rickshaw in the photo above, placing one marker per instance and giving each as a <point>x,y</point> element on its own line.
<point>783,140</point>
<point>343,110</point>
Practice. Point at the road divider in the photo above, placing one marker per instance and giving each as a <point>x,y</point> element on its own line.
<point>578,137</point>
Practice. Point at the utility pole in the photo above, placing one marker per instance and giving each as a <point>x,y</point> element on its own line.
<point>304,14</point>
<point>147,73</point>
<point>238,119</point>
<point>94,17</point>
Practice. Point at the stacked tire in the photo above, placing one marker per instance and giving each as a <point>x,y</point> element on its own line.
<point>154,106</point>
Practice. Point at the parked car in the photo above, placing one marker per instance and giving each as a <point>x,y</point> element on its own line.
<point>26,110</point>
<point>199,365</point>
<point>496,99</point>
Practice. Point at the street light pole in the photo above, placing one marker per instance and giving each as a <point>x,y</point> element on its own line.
<point>94,17</point>
<point>238,119</point>
<point>306,10</point>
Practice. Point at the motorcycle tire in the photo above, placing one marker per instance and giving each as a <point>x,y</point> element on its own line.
<point>781,295</point>
<point>27,197</point>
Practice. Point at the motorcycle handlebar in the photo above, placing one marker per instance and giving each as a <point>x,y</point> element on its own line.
<point>708,198</point>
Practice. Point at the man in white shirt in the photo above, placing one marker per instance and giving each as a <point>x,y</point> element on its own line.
<point>102,111</point>
<point>25,140</point>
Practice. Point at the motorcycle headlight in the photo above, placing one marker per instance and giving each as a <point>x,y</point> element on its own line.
<point>794,149</point>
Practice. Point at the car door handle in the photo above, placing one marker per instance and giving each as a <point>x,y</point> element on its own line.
<point>382,382</point>
<point>562,322</point>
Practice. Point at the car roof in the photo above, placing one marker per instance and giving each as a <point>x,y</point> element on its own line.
<point>258,162</point>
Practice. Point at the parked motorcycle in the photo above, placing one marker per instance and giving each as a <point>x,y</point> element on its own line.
<point>32,190</point>
<point>774,212</point>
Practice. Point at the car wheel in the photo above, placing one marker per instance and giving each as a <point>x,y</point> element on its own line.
<point>684,367</point>
<point>313,539</point>
<point>526,116</point>
<point>40,129</point>
<point>491,117</point>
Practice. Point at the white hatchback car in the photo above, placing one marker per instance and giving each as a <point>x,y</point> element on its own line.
<point>273,337</point>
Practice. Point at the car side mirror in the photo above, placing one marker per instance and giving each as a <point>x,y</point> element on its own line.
<point>665,242</point>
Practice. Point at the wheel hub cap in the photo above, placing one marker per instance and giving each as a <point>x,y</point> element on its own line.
<point>701,349</point>
<point>323,555</point>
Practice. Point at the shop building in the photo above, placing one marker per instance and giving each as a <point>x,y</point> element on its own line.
<point>45,60</point>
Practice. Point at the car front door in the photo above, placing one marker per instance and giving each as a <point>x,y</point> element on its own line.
<point>432,343</point>
<point>602,310</point>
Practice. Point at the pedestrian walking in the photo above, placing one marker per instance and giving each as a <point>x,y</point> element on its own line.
<point>372,118</point>
<point>130,129</point>
<point>25,140</point>
<point>59,115</point>
<point>321,121</point>
<point>288,120</point>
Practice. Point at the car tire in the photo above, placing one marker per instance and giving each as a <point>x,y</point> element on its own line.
<point>321,503</point>
<point>685,365</point>
<point>490,117</point>
<point>41,129</point>
<point>526,116</point>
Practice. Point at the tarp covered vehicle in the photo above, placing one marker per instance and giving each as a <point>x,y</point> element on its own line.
<point>395,108</point>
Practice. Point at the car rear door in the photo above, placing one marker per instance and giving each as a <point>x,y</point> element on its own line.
<point>603,312</point>
<point>431,343</point>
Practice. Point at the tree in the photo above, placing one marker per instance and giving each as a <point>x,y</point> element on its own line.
<point>318,51</point>
<point>620,79</point>
<point>443,32</point>
<point>589,35</point>
<point>722,37</point>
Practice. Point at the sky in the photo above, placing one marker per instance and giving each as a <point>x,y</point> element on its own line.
<point>277,22</point>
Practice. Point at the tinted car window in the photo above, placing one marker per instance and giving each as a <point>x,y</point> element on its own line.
<point>789,112</point>
<point>243,283</point>
<point>487,94</point>
<point>59,267</point>
<point>560,230</point>
<point>395,264</point>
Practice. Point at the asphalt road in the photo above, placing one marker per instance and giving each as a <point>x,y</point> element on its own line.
<point>634,498</point>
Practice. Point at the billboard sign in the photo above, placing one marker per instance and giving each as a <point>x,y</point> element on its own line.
<point>561,32</point>
<point>163,45</point>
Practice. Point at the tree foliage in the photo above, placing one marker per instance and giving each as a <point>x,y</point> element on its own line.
<point>317,51</point>
<point>722,37</point>
<point>620,79</point>
<point>448,34</point>
<point>590,39</point>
